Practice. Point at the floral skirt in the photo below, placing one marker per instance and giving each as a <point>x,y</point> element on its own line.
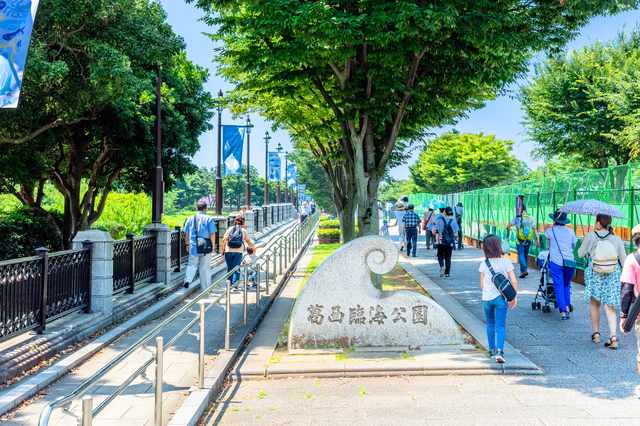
<point>605,288</point>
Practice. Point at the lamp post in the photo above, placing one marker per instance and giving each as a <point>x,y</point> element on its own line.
<point>279,149</point>
<point>247,184</point>
<point>267,138</point>
<point>219,168</point>
<point>158,190</point>
<point>286,176</point>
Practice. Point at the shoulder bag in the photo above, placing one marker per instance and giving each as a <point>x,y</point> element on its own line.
<point>203,245</point>
<point>502,283</point>
<point>570,264</point>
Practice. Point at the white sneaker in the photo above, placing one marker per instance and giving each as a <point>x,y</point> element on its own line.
<point>442,272</point>
<point>499,356</point>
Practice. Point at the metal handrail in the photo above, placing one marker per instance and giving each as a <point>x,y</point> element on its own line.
<point>88,413</point>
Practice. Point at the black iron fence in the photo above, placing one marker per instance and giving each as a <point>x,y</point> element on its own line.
<point>179,253</point>
<point>264,218</point>
<point>35,290</point>
<point>134,262</point>
<point>256,224</point>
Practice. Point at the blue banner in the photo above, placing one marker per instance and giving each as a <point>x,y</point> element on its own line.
<point>275,168</point>
<point>292,175</point>
<point>16,23</point>
<point>232,142</point>
<point>301,193</point>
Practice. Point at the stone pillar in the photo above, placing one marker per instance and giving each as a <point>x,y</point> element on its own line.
<point>269,215</point>
<point>226,209</point>
<point>259,219</point>
<point>163,250</point>
<point>101,268</point>
<point>249,221</point>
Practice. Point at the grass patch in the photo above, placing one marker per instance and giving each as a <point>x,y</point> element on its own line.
<point>399,279</point>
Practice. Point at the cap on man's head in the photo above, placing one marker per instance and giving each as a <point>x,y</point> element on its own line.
<point>524,207</point>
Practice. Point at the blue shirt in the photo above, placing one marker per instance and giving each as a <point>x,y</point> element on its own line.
<point>440,226</point>
<point>206,226</point>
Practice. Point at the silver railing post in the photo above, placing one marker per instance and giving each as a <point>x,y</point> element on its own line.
<point>157,415</point>
<point>281,253</point>
<point>245,294</point>
<point>259,270</point>
<point>201,348</point>
<point>275,250</point>
<point>227,324</point>
<point>87,410</point>
<point>266,277</point>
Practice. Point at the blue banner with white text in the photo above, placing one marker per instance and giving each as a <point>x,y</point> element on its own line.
<point>275,169</point>
<point>292,175</point>
<point>16,23</point>
<point>232,142</point>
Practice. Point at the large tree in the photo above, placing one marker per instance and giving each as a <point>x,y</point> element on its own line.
<point>86,119</point>
<point>585,104</point>
<point>463,162</point>
<point>353,78</point>
<point>311,174</point>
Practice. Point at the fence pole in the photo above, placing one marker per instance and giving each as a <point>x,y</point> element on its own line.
<point>180,248</point>
<point>266,278</point>
<point>43,252</point>
<point>259,268</point>
<point>132,267</point>
<point>245,294</point>
<point>227,324</point>
<point>201,348</point>
<point>157,415</point>
<point>88,245</point>
<point>87,410</point>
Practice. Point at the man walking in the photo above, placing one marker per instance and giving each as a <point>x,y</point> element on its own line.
<point>411,229</point>
<point>446,229</point>
<point>304,212</point>
<point>526,229</point>
<point>199,226</point>
<point>458,211</point>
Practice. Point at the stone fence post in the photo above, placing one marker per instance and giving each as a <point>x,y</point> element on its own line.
<point>101,268</point>
<point>249,221</point>
<point>163,250</point>
<point>222,229</point>
<point>269,215</point>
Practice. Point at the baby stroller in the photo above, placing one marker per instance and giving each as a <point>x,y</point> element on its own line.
<point>545,291</point>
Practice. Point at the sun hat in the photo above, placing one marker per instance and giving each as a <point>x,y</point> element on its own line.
<point>636,229</point>
<point>560,217</point>
<point>400,206</point>
<point>384,222</point>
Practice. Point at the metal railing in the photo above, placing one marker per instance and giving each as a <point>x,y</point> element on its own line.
<point>134,262</point>
<point>39,289</point>
<point>283,248</point>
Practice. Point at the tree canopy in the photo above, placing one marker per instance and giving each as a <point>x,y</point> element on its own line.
<point>463,162</point>
<point>86,118</point>
<point>354,80</point>
<point>585,104</point>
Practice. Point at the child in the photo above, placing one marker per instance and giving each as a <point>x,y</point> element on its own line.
<point>384,229</point>
<point>252,270</point>
<point>495,307</point>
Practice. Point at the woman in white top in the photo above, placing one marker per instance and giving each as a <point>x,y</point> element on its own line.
<point>399,212</point>
<point>232,254</point>
<point>603,288</point>
<point>562,241</point>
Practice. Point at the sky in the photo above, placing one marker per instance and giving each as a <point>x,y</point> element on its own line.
<point>501,117</point>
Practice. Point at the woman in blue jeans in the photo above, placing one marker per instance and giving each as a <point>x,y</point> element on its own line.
<point>495,307</point>
<point>562,242</point>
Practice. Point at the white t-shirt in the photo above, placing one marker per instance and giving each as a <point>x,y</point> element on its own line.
<point>499,265</point>
<point>566,241</point>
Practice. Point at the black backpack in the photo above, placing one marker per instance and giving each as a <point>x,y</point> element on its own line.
<point>448,238</point>
<point>235,239</point>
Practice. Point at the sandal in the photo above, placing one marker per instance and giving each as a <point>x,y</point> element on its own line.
<point>595,337</point>
<point>612,344</point>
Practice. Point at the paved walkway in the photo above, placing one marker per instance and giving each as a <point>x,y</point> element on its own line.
<point>583,381</point>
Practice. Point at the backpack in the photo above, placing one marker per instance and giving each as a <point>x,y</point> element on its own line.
<point>604,257</point>
<point>448,239</point>
<point>235,239</point>
<point>524,228</point>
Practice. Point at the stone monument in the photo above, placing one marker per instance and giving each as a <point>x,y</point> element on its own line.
<point>339,305</point>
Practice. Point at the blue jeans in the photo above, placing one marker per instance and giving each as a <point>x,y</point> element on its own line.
<point>523,254</point>
<point>496,312</point>
<point>233,260</point>
<point>411,235</point>
<point>562,285</point>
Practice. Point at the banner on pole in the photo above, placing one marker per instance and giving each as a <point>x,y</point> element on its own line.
<point>301,193</point>
<point>275,169</point>
<point>232,142</point>
<point>292,175</point>
<point>16,23</point>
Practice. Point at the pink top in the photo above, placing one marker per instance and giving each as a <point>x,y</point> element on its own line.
<point>631,272</point>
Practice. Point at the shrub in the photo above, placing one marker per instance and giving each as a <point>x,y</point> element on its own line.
<point>330,224</point>
<point>328,232</point>
<point>117,230</point>
<point>324,217</point>
<point>22,232</point>
<point>132,211</point>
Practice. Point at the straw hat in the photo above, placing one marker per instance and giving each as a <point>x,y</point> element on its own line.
<point>400,206</point>
<point>635,230</point>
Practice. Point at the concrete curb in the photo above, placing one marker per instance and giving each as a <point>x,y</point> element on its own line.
<point>517,363</point>
<point>192,409</point>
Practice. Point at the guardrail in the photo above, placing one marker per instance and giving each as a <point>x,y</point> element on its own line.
<point>36,290</point>
<point>134,262</point>
<point>283,248</point>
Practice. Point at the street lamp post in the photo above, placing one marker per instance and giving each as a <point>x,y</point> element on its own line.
<point>279,149</point>
<point>219,169</point>
<point>247,184</point>
<point>158,190</point>
<point>267,138</point>
<point>286,176</point>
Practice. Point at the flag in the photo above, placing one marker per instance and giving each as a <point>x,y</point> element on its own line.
<point>275,167</point>
<point>292,175</point>
<point>232,141</point>
<point>301,193</point>
<point>16,23</point>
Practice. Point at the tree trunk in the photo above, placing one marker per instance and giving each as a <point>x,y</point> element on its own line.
<point>368,220</point>
<point>346,216</point>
